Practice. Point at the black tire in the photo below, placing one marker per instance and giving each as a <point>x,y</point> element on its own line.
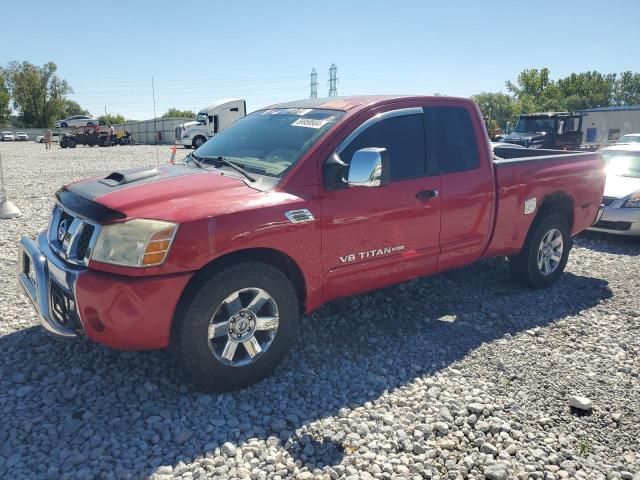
<point>63,143</point>
<point>524,266</point>
<point>72,143</point>
<point>204,296</point>
<point>64,125</point>
<point>188,147</point>
<point>198,139</point>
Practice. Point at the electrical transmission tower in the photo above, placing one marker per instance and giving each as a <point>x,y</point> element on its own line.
<point>314,84</point>
<point>333,80</point>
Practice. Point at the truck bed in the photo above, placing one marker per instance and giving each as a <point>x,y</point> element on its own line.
<point>524,174</point>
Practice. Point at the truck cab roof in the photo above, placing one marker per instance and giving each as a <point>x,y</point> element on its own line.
<point>352,102</point>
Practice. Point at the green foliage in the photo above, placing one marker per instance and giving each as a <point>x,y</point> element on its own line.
<point>36,92</point>
<point>584,447</point>
<point>5,98</point>
<point>579,91</point>
<point>499,108</point>
<point>72,108</point>
<point>626,89</point>
<point>110,119</point>
<point>175,113</point>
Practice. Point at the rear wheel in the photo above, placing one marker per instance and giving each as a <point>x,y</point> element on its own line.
<point>72,143</point>
<point>63,143</point>
<point>235,326</point>
<point>545,253</point>
<point>64,125</point>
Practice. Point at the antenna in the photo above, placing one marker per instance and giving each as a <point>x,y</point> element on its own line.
<point>333,80</point>
<point>314,84</point>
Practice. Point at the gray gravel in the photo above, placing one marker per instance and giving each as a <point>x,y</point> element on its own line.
<point>461,375</point>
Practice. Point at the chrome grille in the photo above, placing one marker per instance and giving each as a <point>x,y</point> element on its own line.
<point>71,236</point>
<point>178,133</point>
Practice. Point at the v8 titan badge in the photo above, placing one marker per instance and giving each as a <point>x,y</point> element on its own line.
<point>376,252</point>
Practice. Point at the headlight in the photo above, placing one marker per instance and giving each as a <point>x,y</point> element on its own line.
<point>136,243</point>
<point>633,201</point>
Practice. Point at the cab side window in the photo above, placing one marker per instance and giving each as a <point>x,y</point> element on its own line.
<point>403,137</point>
<point>451,139</point>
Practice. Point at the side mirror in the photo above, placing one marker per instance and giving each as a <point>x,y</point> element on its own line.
<point>369,167</point>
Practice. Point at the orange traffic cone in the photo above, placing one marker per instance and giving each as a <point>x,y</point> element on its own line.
<point>173,155</point>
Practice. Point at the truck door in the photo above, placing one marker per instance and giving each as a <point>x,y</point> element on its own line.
<point>467,192</point>
<point>373,236</point>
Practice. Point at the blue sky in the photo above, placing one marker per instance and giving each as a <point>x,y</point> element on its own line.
<point>264,51</point>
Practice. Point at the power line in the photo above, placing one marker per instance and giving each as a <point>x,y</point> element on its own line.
<point>314,84</point>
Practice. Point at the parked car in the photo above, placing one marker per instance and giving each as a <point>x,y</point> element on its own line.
<point>8,136</point>
<point>621,215</point>
<point>76,121</point>
<point>630,138</point>
<point>290,207</point>
<point>22,137</point>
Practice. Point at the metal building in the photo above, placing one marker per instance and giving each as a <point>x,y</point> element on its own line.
<point>604,126</point>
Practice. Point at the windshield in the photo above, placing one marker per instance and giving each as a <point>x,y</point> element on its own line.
<point>269,142</point>
<point>629,139</point>
<point>534,124</point>
<point>202,117</point>
<point>622,163</point>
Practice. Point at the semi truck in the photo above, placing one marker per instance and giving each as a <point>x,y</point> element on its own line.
<point>209,121</point>
<point>291,207</point>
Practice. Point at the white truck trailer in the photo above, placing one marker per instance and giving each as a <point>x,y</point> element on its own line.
<point>209,121</point>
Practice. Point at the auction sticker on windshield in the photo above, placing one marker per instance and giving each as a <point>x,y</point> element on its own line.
<point>311,122</point>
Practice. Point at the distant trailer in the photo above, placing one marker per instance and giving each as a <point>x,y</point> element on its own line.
<point>604,126</point>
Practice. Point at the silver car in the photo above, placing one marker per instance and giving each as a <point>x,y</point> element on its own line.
<point>621,199</point>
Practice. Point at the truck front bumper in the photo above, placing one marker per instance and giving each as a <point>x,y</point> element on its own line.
<point>122,312</point>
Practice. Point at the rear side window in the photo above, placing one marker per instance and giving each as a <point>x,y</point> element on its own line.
<point>403,137</point>
<point>451,139</point>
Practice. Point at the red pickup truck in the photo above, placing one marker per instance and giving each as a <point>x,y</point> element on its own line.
<point>291,207</point>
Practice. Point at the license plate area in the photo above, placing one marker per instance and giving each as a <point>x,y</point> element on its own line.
<point>63,306</point>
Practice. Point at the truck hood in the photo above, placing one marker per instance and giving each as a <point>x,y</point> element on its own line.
<point>176,193</point>
<point>524,136</point>
<point>621,187</point>
<point>187,125</point>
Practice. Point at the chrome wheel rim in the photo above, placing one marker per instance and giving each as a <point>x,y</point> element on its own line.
<point>550,251</point>
<point>243,327</point>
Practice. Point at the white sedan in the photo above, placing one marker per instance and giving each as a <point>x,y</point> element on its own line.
<point>76,121</point>
<point>8,137</point>
<point>622,191</point>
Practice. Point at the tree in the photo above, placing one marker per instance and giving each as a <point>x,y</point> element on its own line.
<point>499,108</point>
<point>535,91</point>
<point>72,108</point>
<point>580,91</point>
<point>626,89</point>
<point>5,98</point>
<point>110,119</point>
<point>175,113</point>
<point>37,93</point>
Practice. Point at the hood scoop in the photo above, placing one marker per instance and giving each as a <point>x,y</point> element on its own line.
<point>116,179</point>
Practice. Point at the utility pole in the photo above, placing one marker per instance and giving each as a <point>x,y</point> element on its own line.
<point>314,84</point>
<point>333,80</point>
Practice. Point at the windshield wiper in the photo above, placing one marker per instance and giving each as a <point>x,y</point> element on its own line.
<point>195,159</point>
<point>226,162</point>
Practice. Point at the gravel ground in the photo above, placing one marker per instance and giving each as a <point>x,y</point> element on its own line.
<point>461,375</point>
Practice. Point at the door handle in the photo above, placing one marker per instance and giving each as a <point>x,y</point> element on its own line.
<point>427,194</point>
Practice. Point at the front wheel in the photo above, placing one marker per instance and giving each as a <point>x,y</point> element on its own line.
<point>545,253</point>
<point>235,326</point>
<point>198,141</point>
